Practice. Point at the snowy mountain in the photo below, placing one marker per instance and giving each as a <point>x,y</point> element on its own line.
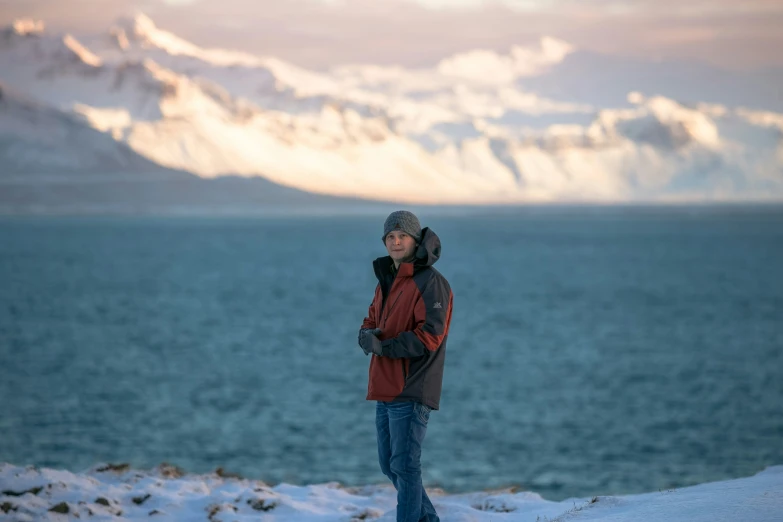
<point>478,127</point>
<point>41,142</point>
<point>56,162</point>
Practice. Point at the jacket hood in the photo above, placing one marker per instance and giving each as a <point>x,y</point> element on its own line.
<point>426,254</point>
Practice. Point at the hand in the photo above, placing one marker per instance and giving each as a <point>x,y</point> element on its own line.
<point>364,331</point>
<point>370,342</point>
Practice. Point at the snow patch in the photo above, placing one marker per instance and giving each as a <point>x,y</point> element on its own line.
<point>141,30</point>
<point>27,26</point>
<point>108,492</point>
<point>489,67</point>
<point>80,51</point>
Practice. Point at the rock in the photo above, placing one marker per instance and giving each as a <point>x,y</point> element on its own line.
<point>220,472</point>
<point>170,470</point>
<point>259,504</point>
<point>114,467</point>
<point>10,493</point>
<point>366,514</point>
<point>494,504</point>
<point>141,500</point>
<point>62,507</point>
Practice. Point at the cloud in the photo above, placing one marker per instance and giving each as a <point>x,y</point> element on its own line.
<point>320,33</point>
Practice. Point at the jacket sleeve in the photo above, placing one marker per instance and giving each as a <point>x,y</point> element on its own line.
<point>369,321</point>
<point>432,314</point>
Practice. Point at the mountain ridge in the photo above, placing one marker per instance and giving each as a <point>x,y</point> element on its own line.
<point>477,128</point>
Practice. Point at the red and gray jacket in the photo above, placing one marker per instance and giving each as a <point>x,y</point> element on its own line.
<point>412,307</point>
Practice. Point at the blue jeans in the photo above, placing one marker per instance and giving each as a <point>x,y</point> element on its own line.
<point>401,427</point>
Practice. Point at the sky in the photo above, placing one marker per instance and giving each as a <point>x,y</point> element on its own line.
<point>320,34</point>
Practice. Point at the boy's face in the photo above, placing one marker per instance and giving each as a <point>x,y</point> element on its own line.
<point>400,245</point>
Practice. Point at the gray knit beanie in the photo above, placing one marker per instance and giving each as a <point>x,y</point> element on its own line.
<point>405,221</point>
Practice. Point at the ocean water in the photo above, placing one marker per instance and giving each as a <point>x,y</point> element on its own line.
<point>592,351</point>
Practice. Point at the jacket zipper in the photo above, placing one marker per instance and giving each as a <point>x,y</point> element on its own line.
<point>388,310</point>
<point>385,318</point>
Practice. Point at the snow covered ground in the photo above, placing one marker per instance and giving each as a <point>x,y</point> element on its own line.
<point>108,492</point>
